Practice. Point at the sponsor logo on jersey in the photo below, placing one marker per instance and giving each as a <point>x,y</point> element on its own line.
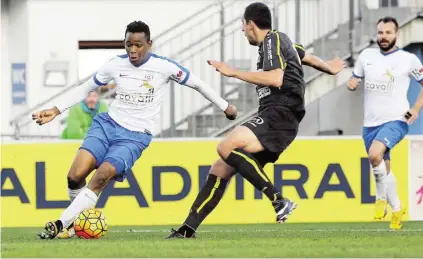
<point>136,98</point>
<point>269,52</point>
<point>385,88</point>
<point>263,92</point>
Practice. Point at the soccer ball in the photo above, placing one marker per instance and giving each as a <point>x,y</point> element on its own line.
<point>90,224</point>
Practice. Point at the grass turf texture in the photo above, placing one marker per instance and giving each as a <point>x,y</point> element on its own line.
<point>267,240</point>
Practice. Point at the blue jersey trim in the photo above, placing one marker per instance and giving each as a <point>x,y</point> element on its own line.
<point>175,63</point>
<point>389,53</point>
<point>186,78</point>
<point>123,56</point>
<point>356,76</point>
<point>98,82</point>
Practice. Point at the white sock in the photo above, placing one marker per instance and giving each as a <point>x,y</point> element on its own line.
<point>74,193</point>
<point>380,177</point>
<point>392,194</point>
<point>86,199</point>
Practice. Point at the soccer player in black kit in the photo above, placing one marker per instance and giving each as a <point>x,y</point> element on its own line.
<point>249,147</point>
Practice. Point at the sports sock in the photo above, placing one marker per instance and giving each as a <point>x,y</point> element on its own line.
<point>392,194</point>
<point>380,178</point>
<point>74,193</point>
<point>247,166</point>
<point>207,199</point>
<point>86,199</point>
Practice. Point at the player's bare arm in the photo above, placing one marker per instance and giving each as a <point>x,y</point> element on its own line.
<point>331,67</point>
<point>270,78</point>
<point>412,114</point>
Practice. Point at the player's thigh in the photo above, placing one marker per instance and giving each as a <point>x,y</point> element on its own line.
<point>96,141</point>
<point>124,153</point>
<point>221,169</point>
<point>240,137</point>
<point>388,136</point>
<point>104,174</point>
<point>91,153</point>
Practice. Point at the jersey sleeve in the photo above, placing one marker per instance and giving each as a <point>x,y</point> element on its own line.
<point>273,56</point>
<point>358,71</point>
<point>300,50</point>
<point>104,75</point>
<point>177,72</point>
<point>416,69</point>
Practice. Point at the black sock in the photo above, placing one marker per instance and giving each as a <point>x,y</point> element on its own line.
<point>207,199</point>
<point>247,166</point>
<point>59,225</point>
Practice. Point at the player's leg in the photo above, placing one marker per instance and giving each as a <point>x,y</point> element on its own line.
<point>376,151</point>
<point>207,199</point>
<point>121,156</point>
<point>236,150</point>
<point>391,186</point>
<point>387,136</point>
<point>391,134</point>
<point>83,164</point>
<point>92,152</point>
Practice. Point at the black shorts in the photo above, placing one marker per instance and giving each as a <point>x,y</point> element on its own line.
<point>275,128</point>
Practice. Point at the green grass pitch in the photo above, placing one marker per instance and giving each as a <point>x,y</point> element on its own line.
<point>268,240</point>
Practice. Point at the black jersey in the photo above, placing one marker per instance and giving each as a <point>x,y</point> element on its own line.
<point>278,51</point>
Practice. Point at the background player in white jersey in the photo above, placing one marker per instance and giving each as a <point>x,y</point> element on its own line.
<point>116,139</point>
<point>387,114</point>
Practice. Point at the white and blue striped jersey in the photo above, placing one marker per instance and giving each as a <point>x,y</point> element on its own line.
<point>139,89</point>
<point>386,81</point>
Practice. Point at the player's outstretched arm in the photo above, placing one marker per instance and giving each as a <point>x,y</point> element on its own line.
<point>75,96</point>
<point>205,90</point>
<point>412,114</point>
<point>269,78</point>
<point>331,67</point>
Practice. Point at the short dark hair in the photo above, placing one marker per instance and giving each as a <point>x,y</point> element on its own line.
<point>260,14</point>
<point>389,19</point>
<point>138,26</point>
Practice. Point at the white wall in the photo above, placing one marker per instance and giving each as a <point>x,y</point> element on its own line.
<point>36,30</point>
<point>14,34</point>
<point>338,109</point>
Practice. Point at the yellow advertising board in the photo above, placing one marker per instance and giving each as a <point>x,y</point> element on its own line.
<point>329,179</point>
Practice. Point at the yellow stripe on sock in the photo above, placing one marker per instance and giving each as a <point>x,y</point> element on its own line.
<point>253,163</point>
<point>216,185</point>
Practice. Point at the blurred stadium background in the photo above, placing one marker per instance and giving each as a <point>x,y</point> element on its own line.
<point>49,47</point>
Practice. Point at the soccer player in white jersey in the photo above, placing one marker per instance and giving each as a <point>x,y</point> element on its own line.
<point>387,71</point>
<point>116,139</point>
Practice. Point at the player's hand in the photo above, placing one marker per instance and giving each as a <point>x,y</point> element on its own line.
<point>45,116</point>
<point>222,68</point>
<point>353,83</point>
<point>336,65</point>
<point>411,115</point>
<point>231,112</point>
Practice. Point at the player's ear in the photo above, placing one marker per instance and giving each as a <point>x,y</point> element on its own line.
<point>150,43</point>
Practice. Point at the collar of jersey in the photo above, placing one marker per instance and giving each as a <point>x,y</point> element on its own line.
<point>390,52</point>
<point>144,61</point>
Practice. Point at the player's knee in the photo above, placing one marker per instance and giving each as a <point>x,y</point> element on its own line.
<point>225,147</point>
<point>102,177</point>
<point>222,170</point>
<point>75,181</point>
<point>375,158</point>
